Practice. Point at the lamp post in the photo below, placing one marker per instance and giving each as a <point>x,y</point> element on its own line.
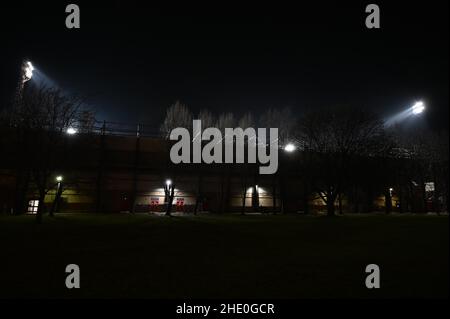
<point>169,191</point>
<point>289,148</point>
<point>55,205</point>
<point>255,198</point>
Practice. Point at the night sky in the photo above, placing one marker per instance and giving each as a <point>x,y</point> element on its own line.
<point>133,60</point>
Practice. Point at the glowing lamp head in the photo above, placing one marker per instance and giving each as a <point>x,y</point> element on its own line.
<point>289,148</point>
<point>418,108</point>
<point>71,131</point>
<point>28,69</point>
<point>59,179</point>
<point>168,182</point>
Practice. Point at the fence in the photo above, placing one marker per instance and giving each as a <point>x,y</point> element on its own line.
<point>119,129</point>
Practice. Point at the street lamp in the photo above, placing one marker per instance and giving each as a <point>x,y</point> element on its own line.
<point>55,205</point>
<point>169,192</point>
<point>289,148</point>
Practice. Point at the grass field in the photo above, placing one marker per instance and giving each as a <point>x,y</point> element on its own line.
<point>210,256</point>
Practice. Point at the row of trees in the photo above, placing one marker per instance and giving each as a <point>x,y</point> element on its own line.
<point>348,152</point>
<point>39,118</point>
<point>344,151</point>
<point>179,115</point>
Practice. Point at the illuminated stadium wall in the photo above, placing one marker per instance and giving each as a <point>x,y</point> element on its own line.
<point>107,173</point>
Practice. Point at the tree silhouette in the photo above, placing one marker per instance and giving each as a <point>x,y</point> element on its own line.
<point>40,119</point>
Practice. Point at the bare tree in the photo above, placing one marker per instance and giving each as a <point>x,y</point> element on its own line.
<point>333,138</point>
<point>246,121</point>
<point>41,118</point>
<point>169,191</point>
<point>87,122</point>
<point>424,155</point>
<point>225,120</point>
<point>207,118</point>
<point>177,115</point>
<point>440,171</point>
<point>283,119</point>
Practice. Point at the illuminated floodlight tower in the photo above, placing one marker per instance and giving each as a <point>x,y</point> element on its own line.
<point>411,112</point>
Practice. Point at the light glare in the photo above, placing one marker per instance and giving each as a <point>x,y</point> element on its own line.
<point>29,70</point>
<point>71,131</point>
<point>289,148</point>
<point>418,108</point>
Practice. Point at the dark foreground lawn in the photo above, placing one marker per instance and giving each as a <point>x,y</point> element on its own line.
<point>224,256</point>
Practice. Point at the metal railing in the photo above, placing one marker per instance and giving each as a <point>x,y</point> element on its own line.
<point>119,129</point>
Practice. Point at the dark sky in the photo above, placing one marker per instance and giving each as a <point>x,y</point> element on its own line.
<point>133,60</point>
